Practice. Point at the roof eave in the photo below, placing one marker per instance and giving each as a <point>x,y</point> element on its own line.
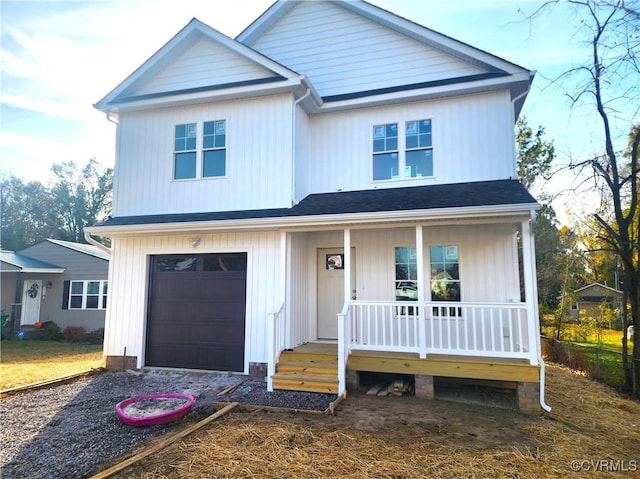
<point>315,221</point>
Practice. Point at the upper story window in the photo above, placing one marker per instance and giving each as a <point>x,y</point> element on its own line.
<point>402,154</point>
<point>214,148</point>
<point>185,156</point>
<point>210,161</point>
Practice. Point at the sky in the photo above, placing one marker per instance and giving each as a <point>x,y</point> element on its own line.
<point>58,58</point>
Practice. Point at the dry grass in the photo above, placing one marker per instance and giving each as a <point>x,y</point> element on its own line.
<point>589,423</point>
<point>31,361</point>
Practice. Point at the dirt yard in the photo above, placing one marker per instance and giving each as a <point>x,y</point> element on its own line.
<point>591,432</point>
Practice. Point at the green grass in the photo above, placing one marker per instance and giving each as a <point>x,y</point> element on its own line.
<point>608,338</point>
<point>24,362</point>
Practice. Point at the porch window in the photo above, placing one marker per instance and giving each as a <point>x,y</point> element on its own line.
<point>445,273</point>
<point>88,294</point>
<point>406,274</point>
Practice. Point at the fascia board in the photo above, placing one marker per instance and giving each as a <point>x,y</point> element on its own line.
<point>427,93</point>
<point>289,222</point>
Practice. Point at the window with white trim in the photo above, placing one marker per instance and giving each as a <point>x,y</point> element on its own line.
<point>406,274</point>
<point>445,273</point>
<point>402,150</point>
<point>210,161</point>
<point>88,294</point>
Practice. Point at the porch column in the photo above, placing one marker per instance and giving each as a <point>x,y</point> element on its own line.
<point>422,329</point>
<point>530,288</point>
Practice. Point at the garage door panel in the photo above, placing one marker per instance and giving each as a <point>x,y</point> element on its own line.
<point>197,315</point>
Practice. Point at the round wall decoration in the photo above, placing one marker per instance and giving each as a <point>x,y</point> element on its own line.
<point>33,291</point>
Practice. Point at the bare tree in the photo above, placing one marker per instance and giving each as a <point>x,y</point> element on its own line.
<point>608,82</point>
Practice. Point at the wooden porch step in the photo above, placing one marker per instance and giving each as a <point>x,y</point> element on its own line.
<point>306,382</point>
<point>316,368</point>
<point>315,357</point>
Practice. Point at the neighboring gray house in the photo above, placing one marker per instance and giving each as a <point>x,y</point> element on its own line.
<point>57,281</point>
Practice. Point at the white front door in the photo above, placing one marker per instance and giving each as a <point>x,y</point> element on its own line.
<point>31,297</point>
<point>331,289</point>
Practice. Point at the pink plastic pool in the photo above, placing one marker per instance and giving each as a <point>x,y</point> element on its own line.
<point>154,409</point>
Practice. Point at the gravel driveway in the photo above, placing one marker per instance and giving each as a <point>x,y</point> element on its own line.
<point>70,430</point>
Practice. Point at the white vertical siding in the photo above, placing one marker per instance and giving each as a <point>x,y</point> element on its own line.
<point>299,280</point>
<point>203,63</point>
<point>342,52</point>
<point>259,159</point>
<point>472,141</point>
<point>126,315</point>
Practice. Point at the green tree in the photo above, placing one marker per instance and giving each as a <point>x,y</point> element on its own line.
<point>76,197</point>
<point>534,155</point>
<point>27,213</point>
<point>82,195</point>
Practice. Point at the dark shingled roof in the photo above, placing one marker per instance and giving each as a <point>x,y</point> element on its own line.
<point>455,195</point>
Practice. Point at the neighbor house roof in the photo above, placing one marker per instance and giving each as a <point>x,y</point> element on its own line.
<point>458,195</point>
<point>11,262</point>
<point>81,248</point>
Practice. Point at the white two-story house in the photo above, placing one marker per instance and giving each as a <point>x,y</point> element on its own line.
<point>337,180</point>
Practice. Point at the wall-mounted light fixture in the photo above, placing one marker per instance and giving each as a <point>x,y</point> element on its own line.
<point>195,242</point>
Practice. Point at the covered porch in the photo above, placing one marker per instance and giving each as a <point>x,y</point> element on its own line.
<point>473,315</point>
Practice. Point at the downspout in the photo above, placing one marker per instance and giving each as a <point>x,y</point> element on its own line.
<point>293,144</point>
<point>94,242</point>
<point>543,404</point>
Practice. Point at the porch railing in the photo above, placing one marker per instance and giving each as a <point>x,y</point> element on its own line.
<point>499,330</point>
<point>276,338</point>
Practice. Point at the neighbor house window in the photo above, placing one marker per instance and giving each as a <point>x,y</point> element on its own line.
<point>189,162</point>
<point>402,150</point>
<point>214,148</point>
<point>445,273</point>
<point>87,295</point>
<point>406,274</point>
<point>185,154</point>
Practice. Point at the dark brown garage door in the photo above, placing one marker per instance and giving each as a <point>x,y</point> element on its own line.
<point>197,306</point>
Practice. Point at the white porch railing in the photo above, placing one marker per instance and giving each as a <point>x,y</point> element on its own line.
<point>276,341</point>
<point>497,330</point>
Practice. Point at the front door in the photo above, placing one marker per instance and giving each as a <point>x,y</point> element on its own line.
<point>331,289</point>
<point>31,297</point>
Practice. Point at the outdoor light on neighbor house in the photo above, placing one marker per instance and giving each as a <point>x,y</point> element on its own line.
<point>195,242</point>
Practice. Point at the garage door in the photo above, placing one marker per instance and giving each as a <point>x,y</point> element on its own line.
<point>197,306</point>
